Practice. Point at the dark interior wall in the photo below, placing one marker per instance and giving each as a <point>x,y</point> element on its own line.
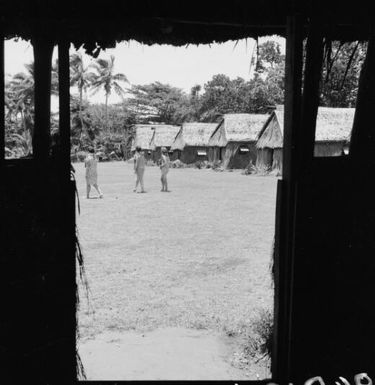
<point>190,154</point>
<point>329,242</point>
<point>334,288</point>
<point>176,154</point>
<point>37,275</point>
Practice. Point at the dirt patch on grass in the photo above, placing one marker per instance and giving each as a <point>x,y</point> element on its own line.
<point>187,355</point>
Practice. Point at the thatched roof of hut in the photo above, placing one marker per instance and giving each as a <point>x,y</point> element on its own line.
<point>163,135</point>
<point>332,125</point>
<point>193,134</point>
<point>238,128</point>
<point>173,22</point>
<point>142,136</point>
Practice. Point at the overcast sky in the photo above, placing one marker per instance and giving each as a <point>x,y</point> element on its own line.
<point>181,67</point>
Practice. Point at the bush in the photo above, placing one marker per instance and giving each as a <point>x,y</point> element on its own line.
<point>250,169</point>
<point>259,341</point>
<point>262,170</point>
<point>78,156</point>
<point>217,166</point>
<point>201,164</point>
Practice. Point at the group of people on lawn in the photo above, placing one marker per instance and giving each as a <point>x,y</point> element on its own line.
<point>139,170</point>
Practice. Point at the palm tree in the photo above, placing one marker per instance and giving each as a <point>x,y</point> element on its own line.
<point>81,77</point>
<point>107,79</point>
<point>21,93</point>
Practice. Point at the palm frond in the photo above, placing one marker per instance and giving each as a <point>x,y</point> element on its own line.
<point>118,89</point>
<point>120,77</point>
<point>102,63</point>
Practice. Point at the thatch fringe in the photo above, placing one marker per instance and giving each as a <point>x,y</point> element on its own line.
<point>81,374</point>
<point>82,272</point>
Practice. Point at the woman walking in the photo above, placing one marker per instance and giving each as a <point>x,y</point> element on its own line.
<point>164,167</point>
<point>139,168</point>
<point>91,165</point>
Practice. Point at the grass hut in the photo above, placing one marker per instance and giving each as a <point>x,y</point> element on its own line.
<point>163,136</point>
<point>270,143</point>
<point>234,139</point>
<point>142,138</point>
<point>333,128</point>
<point>191,142</point>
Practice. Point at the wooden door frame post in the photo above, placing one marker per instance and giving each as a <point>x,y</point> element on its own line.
<point>286,198</point>
<point>310,98</point>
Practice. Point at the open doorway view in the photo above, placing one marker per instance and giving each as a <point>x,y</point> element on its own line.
<point>180,282</point>
<point>178,278</point>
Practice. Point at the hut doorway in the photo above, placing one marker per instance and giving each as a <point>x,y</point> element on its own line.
<point>132,245</point>
<point>163,274</point>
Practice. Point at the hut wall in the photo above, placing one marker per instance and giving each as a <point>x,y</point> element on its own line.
<point>156,154</point>
<point>38,274</point>
<point>264,158</point>
<point>216,154</point>
<point>277,161</point>
<point>328,149</point>
<point>234,159</point>
<point>211,154</point>
<point>176,154</point>
<point>190,154</point>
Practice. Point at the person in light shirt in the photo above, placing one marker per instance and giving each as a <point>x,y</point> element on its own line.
<point>164,167</point>
<point>91,166</point>
<point>139,168</point>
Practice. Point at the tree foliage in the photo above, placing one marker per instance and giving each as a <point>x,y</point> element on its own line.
<point>159,102</point>
<point>340,75</point>
<point>102,124</point>
<point>105,78</point>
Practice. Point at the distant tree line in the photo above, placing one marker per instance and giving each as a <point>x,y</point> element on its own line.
<point>108,126</point>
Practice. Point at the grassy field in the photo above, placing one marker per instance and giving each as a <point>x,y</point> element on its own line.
<point>197,257</point>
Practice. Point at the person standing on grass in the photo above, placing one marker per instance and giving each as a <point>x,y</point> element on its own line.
<point>91,165</point>
<point>164,167</point>
<point>139,168</point>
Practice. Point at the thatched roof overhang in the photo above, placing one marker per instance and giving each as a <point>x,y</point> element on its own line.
<point>163,135</point>
<point>93,25</point>
<point>332,125</point>
<point>142,136</point>
<point>243,127</point>
<point>194,134</point>
<point>238,128</point>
